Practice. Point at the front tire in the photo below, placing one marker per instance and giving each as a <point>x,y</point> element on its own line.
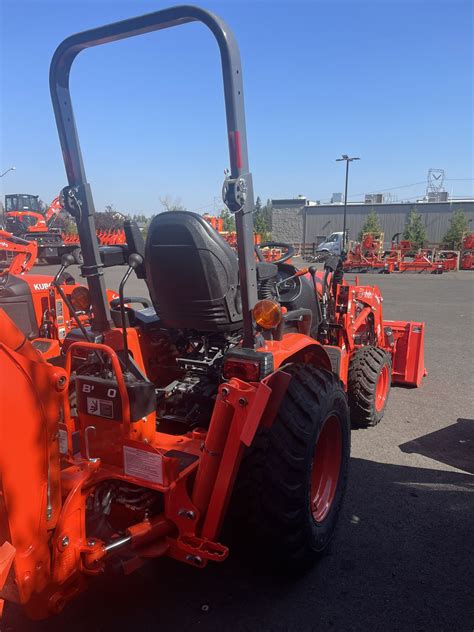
<point>368,385</point>
<point>293,478</point>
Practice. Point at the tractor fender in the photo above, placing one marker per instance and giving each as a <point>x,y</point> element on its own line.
<point>297,347</point>
<point>303,349</point>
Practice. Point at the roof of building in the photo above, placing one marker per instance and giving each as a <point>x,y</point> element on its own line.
<point>305,202</point>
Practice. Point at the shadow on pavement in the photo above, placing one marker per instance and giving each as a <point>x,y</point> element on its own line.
<point>401,560</point>
<point>453,445</point>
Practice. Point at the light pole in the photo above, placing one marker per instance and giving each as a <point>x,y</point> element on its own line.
<point>347,160</point>
<point>5,172</point>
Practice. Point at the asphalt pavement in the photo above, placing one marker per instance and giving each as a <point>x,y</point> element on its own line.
<point>403,556</point>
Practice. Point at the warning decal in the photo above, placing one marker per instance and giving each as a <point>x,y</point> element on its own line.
<point>100,407</point>
<point>143,464</point>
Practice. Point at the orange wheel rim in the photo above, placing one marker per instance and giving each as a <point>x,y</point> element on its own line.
<point>381,389</point>
<point>326,468</point>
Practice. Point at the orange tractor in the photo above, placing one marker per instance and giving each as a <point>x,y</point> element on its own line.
<point>231,390</point>
<point>44,308</point>
<point>24,218</point>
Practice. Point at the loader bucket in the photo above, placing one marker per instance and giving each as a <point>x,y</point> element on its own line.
<point>408,361</point>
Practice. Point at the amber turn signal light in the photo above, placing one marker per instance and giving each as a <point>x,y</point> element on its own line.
<point>267,314</point>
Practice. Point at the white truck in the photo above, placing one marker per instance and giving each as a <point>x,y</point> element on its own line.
<point>332,245</point>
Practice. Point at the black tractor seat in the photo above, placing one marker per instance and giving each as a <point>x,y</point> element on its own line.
<point>192,274</point>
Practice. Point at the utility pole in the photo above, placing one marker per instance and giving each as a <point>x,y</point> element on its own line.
<point>347,160</point>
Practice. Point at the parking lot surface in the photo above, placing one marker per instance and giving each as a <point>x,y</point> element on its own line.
<point>403,556</point>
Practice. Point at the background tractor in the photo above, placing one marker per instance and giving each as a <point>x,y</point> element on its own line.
<point>43,307</point>
<point>25,218</point>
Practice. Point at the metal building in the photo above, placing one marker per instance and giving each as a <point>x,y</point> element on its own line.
<point>302,221</point>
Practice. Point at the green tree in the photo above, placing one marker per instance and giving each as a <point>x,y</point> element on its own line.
<point>228,220</point>
<point>458,225</point>
<point>371,224</point>
<point>261,222</point>
<point>267,212</point>
<point>415,230</point>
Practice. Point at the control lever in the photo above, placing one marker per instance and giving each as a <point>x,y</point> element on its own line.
<point>66,261</point>
<point>301,272</point>
<point>338,275</point>
<point>134,261</point>
<point>312,270</point>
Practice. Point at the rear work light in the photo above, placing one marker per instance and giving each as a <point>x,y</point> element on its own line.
<point>247,365</point>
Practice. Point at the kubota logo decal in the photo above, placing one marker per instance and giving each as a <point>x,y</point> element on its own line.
<point>41,286</point>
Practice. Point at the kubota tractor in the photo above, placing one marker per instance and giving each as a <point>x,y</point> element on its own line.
<point>228,390</point>
<point>24,218</point>
<point>43,307</point>
<point>23,213</point>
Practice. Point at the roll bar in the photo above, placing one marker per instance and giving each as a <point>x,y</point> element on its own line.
<point>238,186</point>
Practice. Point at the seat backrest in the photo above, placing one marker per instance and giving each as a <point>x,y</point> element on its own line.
<point>135,243</point>
<point>192,274</point>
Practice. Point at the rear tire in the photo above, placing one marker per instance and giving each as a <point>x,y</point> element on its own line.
<point>368,385</point>
<point>293,478</point>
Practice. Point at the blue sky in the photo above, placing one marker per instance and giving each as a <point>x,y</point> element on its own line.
<point>388,81</point>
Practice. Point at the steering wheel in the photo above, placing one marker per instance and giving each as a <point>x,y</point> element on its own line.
<point>290,251</point>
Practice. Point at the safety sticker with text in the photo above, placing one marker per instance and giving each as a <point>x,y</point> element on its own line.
<point>100,407</point>
<point>143,464</point>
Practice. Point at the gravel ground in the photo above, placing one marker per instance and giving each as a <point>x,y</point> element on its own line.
<point>403,555</point>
